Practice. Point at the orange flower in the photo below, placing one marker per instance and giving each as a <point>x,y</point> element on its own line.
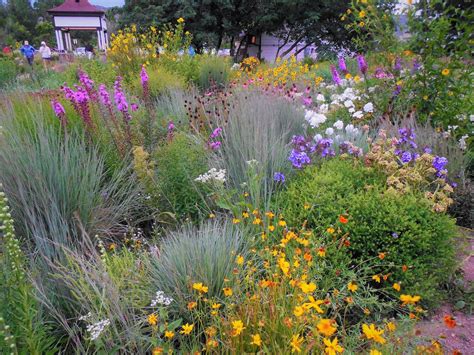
<point>381,256</point>
<point>322,252</point>
<point>192,305</point>
<point>449,321</point>
<point>307,257</point>
<point>325,327</point>
<point>404,268</point>
<point>343,219</point>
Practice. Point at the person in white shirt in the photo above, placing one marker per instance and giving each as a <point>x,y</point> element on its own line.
<point>45,54</point>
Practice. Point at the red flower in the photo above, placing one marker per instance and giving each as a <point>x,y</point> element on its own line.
<point>449,321</point>
<point>343,219</point>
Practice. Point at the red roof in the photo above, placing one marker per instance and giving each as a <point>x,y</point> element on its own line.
<point>76,6</point>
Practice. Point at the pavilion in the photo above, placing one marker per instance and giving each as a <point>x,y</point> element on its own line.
<point>78,15</point>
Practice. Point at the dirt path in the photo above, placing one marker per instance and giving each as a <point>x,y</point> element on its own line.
<point>461,337</point>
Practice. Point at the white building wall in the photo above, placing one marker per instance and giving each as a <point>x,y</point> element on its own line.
<point>269,48</point>
<point>65,21</point>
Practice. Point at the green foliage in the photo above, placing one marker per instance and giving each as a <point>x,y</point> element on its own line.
<point>197,254</point>
<point>259,128</point>
<point>213,72</point>
<point>99,71</point>
<point>8,71</point>
<point>160,81</point>
<point>423,239</point>
<point>178,163</point>
<point>22,328</point>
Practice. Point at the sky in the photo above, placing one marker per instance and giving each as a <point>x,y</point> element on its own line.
<point>108,3</point>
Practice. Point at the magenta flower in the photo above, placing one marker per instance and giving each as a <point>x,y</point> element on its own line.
<point>144,80</point>
<point>362,64</point>
<point>88,84</point>
<point>216,133</point>
<point>59,111</point>
<point>335,75</point>
<point>307,101</point>
<point>121,100</point>
<point>134,107</point>
<point>215,145</point>
<point>104,96</point>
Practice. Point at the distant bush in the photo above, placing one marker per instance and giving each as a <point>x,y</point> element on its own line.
<point>160,81</point>
<point>8,71</point>
<point>402,226</point>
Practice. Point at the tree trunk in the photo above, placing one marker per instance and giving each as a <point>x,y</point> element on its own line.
<point>293,46</point>
<point>284,44</point>
<point>232,46</point>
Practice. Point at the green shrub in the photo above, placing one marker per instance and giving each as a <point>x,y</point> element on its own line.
<point>213,71</point>
<point>160,81</point>
<point>402,226</point>
<point>99,71</point>
<point>205,254</point>
<point>8,71</point>
<point>178,163</point>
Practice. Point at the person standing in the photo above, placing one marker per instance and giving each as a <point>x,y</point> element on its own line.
<point>29,52</point>
<point>45,54</point>
<point>89,51</point>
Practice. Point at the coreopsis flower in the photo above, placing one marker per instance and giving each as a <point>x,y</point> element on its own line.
<point>256,340</point>
<point>325,327</point>
<point>391,326</point>
<point>332,347</point>
<point>169,334</point>
<point>409,299</point>
<point>152,319</point>
<point>239,260</point>
<point>192,305</point>
<point>445,71</point>
<point>200,287</point>
<point>352,287</point>
<point>396,286</point>
<point>227,291</point>
<point>298,311</point>
<point>376,278</point>
<point>237,327</point>
<point>235,220</point>
<point>314,304</point>
<point>372,333</point>
<point>307,287</point>
<point>296,342</point>
<point>186,329</point>
<point>330,230</point>
<point>375,352</point>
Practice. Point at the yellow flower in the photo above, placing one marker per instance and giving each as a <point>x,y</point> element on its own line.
<point>307,206</point>
<point>325,327</point>
<point>396,286</point>
<point>298,311</point>
<point>257,221</point>
<point>216,305</point>
<point>180,20</point>
<point>200,287</point>
<point>245,215</point>
<point>373,333</point>
<point>192,305</point>
<point>445,72</point>
<point>296,342</point>
<point>408,299</point>
<point>239,260</point>
<point>269,214</point>
<point>391,326</point>
<point>332,347</point>
<point>256,340</point>
<point>376,278</point>
<point>152,319</point>
<point>235,220</point>
<point>271,228</point>
<point>362,14</point>
<point>169,334</point>
<point>314,304</point>
<point>361,24</point>
<point>227,291</point>
<point>375,352</point>
<point>187,329</point>
<point>282,223</point>
<point>237,327</point>
<point>157,350</point>
<point>330,230</point>
<point>357,78</point>
<point>307,287</point>
<point>348,76</point>
<point>322,252</point>
<point>284,265</point>
<point>352,287</point>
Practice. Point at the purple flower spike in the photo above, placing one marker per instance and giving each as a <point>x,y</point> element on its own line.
<point>362,64</point>
<point>335,75</point>
<point>342,65</point>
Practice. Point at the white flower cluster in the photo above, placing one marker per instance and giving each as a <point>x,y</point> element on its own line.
<point>161,298</point>
<point>315,119</point>
<point>213,174</point>
<point>348,132</point>
<point>97,328</point>
<point>462,142</point>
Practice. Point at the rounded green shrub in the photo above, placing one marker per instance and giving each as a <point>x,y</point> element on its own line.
<point>160,81</point>
<point>402,226</point>
<point>178,164</point>
<point>213,71</point>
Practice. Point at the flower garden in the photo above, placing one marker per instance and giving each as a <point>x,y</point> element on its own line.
<point>185,204</point>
